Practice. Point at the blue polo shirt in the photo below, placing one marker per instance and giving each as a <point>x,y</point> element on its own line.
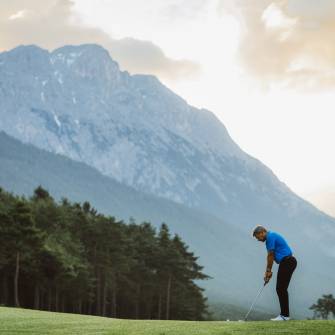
<point>277,244</point>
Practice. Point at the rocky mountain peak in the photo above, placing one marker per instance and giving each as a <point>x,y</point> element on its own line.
<point>76,101</point>
<point>89,61</point>
<point>27,59</point>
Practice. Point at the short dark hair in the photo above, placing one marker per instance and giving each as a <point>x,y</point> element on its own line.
<point>257,230</point>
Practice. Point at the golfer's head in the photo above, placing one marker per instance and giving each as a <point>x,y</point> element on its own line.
<point>260,233</point>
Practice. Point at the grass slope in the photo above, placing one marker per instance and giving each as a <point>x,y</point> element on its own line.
<point>24,321</point>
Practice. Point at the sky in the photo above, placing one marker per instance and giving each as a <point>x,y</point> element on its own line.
<point>266,68</point>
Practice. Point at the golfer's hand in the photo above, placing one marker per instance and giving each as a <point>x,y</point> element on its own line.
<point>267,276</point>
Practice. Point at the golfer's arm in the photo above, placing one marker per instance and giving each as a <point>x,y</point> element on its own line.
<point>270,259</point>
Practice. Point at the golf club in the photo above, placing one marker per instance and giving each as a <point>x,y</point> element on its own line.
<point>252,305</point>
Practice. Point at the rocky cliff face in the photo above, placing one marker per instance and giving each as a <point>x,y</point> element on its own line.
<point>76,101</point>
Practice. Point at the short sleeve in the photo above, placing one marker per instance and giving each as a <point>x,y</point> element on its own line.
<point>270,242</point>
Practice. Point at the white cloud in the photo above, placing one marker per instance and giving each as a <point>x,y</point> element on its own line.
<point>287,41</point>
<point>18,15</point>
<point>273,17</point>
<point>53,23</point>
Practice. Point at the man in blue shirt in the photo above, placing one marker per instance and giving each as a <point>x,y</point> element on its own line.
<point>280,252</point>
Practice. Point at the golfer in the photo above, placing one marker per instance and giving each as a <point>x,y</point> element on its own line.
<point>280,252</point>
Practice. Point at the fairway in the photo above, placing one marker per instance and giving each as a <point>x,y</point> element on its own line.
<point>24,321</point>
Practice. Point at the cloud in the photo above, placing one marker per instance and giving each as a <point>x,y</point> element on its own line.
<point>324,199</point>
<point>287,41</point>
<point>184,9</point>
<point>53,23</point>
<point>150,58</point>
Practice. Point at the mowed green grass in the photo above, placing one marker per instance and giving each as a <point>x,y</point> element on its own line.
<point>24,321</point>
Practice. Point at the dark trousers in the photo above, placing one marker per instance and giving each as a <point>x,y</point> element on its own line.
<point>285,271</point>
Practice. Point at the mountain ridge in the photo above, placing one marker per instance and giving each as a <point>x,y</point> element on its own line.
<point>124,103</point>
<point>136,131</point>
<point>23,167</point>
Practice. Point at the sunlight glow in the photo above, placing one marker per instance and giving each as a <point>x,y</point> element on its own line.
<point>291,132</point>
<point>17,15</point>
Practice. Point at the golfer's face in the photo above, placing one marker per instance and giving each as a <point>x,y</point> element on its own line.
<point>261,237</point>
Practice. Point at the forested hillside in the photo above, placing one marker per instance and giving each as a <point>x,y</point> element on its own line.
<point>67,257</point>
<point>132,147</point>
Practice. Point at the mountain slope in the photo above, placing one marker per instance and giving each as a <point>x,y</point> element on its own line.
<point>23,167</point>
<point>75,101</point>
<point>228,253</point>
<point>131,128</point>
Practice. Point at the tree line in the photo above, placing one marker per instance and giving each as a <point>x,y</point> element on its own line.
<point>67,257</point>
<point>324,307</point>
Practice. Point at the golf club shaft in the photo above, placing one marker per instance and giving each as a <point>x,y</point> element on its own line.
<point>252,305</point>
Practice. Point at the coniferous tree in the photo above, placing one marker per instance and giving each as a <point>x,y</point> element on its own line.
<point>24,239</point>
<point>324,307</point>
<point>67,257</point>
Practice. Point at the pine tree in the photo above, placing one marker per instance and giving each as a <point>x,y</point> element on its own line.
<point>324,307</point>
<point>68,257</point>
<point>24,239</point>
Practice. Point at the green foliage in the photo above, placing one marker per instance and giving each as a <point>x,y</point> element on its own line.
<point>67,257</point>
<point>324,307</point>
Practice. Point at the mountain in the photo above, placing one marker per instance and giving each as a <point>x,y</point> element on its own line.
<point>131,128</point>
<point>75,101</point>
<point>23,167</point>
